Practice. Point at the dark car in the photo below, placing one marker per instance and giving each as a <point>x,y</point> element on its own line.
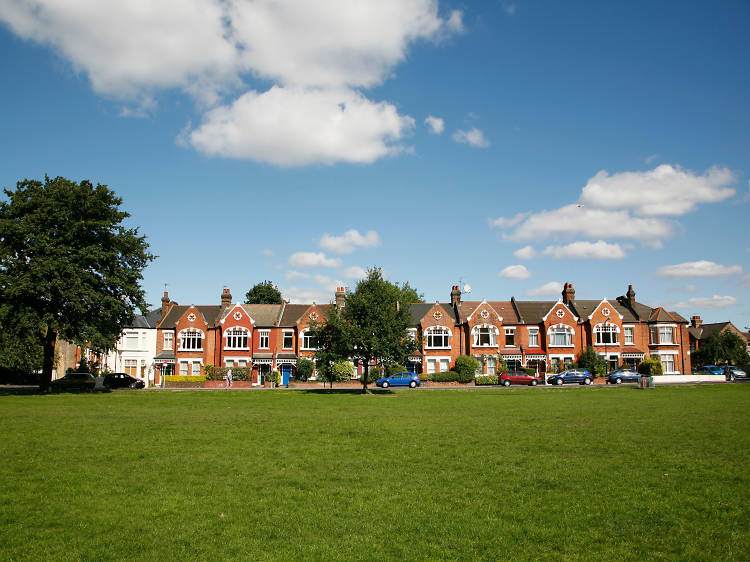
<point>709,370</point>
<point>84,381</point>
<point>517,377</point>
<point>623,375</point>
<point>580,376</point>
<point>122,380</point>
<point>399,379</point>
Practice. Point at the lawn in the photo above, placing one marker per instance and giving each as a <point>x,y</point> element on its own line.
<point>580,473</point>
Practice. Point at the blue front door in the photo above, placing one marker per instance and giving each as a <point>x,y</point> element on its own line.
<point>286,372</point>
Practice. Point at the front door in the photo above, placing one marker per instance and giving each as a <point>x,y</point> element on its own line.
<point>286,373</point>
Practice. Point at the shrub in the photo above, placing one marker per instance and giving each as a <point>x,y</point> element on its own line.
<point>394,368</point>
<point>502,365</point>
<point>466,366</point>
<point>425,377</point>
<point>486,379</point>
<point>184,378</point>
<point>651,366</point>
<point>304,369</point>
<point>445,376</point>
<point>218,373</point>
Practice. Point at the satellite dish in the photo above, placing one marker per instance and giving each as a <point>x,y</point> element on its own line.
<point>467,288</point>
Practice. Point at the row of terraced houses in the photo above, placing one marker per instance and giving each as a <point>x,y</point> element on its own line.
<point>536,334</point>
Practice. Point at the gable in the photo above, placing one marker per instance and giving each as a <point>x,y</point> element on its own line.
<point>560,313</point>
<point>236,314</point>
<point>484,313</point>
<point>605,311</point>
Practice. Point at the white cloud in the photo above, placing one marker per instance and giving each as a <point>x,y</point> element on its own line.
<point>685,289</point>
<point>293,127</point>
<point>436,125</point>
<point>715,301</point>
<point>515,272</point>
<point>292,274</point>
<point>553,288</point>
<point>701,268</point>
<point>312,259</point>
<point>349,241</point>
<point>665,190</point>
<point>502,222</point>
<point>304,295</point>
<point>316,54</point>
<point>354,272</point>
<point>473,137</point>
<point>525,253</point>
<point>600,250</point>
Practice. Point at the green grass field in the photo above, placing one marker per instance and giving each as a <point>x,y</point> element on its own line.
<point>581,473</point>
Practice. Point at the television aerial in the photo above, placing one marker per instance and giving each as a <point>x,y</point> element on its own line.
<point>467,288</point>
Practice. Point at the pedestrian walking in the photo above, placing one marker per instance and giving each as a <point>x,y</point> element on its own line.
<point>228,377</point>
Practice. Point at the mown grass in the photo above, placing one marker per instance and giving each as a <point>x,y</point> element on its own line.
<point>590,473</point>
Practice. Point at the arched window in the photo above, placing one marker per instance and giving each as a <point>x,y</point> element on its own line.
<point>437,337</point>
<point>191,340</point>
<point>236,338</point>
<point>484,336</point>
<point>606,334</point>
<point>560,335</point>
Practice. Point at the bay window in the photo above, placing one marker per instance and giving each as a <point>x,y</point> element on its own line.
<point>561,336</point>
<point>484,336</point>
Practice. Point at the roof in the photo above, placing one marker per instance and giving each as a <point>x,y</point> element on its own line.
<point>149,320</point>
<point>210,314</point>
<point>659,314</point>
<point>532,312</point>
<point>420,309</point>
<point>265,315</point>
<point>705,331</point>
<point>503,308</point>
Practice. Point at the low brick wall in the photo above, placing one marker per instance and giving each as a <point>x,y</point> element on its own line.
<point>223,384</point>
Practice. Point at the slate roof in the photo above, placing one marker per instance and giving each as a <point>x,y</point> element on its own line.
<point>420,309</point>
<point>707,330</point>
<point>293,312</point>
<point>532,312</point>
<point>149,320</point>
<point>661,315</point>
<point>503,308</point>
<point>210,314</point>
<point>265,315</point>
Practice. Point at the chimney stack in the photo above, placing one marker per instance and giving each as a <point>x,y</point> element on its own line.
<point>568,294</point>
<point>695,321</point>
<point>455,296</point>
<point>226,298</point>
<point>340,297</point>
<point>165,304</point>
<point>630,295</point>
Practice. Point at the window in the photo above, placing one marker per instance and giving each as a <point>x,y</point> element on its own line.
<point>484,336</point>
<point>167,340</point>
<point>307,340</point>
<point>131,367</point>
<point>561,336</point>
<point>606,334</point>
<point>629,337</point>
<point>236,338</point>
<point>431,365</point>
<point>666,335</point>
<point>491,366</point>
<point>437,337</point>
<point>229,362</point>
<point>191,340</point>
<point>288,339</point>
<point>183,368</point>
<point>242,363</point>
<point>263,339</point>
<point>444,365</point>
<point>533,337</point>
<point>510,337</point>
<point>131,340</point>
<point>196,368</point>
<point>668,362</point>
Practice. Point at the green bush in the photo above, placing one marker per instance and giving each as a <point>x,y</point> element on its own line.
<point>651,366</point>
<point>486,379</point>
<point>304,369</point>
<point>218,373</point>
<point>394,368</point>
<point>425,377</point>
<point>372,376</point>
<point>184,378</point>
<point>466,366</point>
<point>445,376</point>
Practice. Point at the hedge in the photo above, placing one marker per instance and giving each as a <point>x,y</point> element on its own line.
<point>218,373</point>
<point>184,378</point>
<point>486,379</point>
<point>446,376</point>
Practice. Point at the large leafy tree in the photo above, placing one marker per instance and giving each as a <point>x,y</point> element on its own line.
<point>372,325</point>
<point>264,293</point>
<point>722,347</point>
<point>68,266</point>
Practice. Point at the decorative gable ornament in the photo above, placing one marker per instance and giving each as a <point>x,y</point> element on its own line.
<point>560,313</point>
<point>314,315</point>
<point>485,314</point>
<point>437,315</point>
<point>191,317</point>
<point>237,315</point>
<point>605,311</point>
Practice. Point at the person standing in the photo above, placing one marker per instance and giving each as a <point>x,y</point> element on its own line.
<point>228,377</point>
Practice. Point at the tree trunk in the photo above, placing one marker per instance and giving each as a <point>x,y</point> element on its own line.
<point>45,379</point>
<point>366,377</point>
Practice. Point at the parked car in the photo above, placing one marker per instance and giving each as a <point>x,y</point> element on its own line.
<point>581,376</point>
<point>122,380</point>
<point>399,379</point>
<point>517,377</point>
<point>731,372</point>
<point>84,381</point>
<point>709,370</point>
<point>623,375</point>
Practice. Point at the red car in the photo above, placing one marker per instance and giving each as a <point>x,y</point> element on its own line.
<point>518,377</point>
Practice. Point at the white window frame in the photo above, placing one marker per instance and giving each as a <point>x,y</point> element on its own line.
<point>194,334</point>
<point>491,365</point>
<point>510,332</point>
<point>264,334</point>
<point>437,331</point>
<point>306,342</point>
<point>134,342</point>
<point>193,363</point>
<point>168,341</point>
<point>569,332</point>
<point>673,359</point>
<point>184,368</point>
<point>437,361</point>
<point>628,333</point>
<point>601,329</point>
<point>491,331</point>
<point>234,333</point>
<point>284,335</point>
<point>534,333</point>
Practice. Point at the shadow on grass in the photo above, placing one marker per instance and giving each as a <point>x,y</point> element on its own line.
<point>34,391</point>
<point>344,391</point>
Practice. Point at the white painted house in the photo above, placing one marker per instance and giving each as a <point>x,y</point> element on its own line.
<point>135,350</point>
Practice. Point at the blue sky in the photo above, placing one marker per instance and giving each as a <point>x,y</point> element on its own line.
<point>597,143</point>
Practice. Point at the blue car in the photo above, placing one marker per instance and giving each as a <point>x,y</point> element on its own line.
<point>581,376</point>
<point>623,375</point>
<point>400,379</point>
<point>709,370</point>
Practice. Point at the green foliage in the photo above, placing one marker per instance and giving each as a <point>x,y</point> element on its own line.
<point>720,348</point>
<point>425,377</point>
<point>595,363</point>
<point>304,370</point>
<point>651,366</point>
<point>393,368</point>
<point>445,376</point>
<point>486,380</point>
<point>21,346</point>
<point>68,265</point>
<point>214,373</point>
<point>466,367</point>
<point>83,366</point>
<point>502,366</point>
<point>184,378</point>
<point>409,294</point>
<point>264,293</point>
<point>274,378</point>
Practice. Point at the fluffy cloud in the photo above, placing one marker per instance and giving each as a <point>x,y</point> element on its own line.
<point>600,250</point>
<point>553,288</point>
<point>715,301</point>
<point>685,289</point>
<point>525,253</point>
<point>349,241</point>
<point>665,190</point>
<point>304,295</point>
<point>292,127</point>
<point>515,272</point>
<point>312,259</point>
<point>354,272</point>
<point>473,137</point>
<point>701,268</point>
<point>502,222</point>
<point>436,125</point>
<point>315,53</point>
